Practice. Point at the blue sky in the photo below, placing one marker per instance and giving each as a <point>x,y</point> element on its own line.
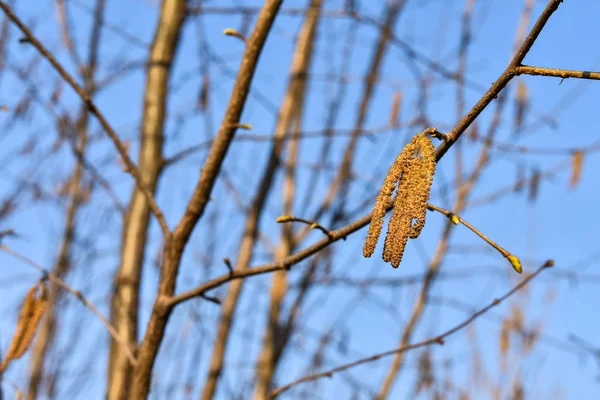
<point>561,224</point>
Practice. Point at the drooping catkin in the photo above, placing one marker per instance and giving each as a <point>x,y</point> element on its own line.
<point>412,174</point>
<point>426,169</point>
<point>400,222</point>
<point>521,104</point>
<point>32,312</point>
<point>504,341</point>
<point>380,208</point>
<point>534,185</point>
<point>395,111</point>
<point>576,164</point>
<point>397,235</point>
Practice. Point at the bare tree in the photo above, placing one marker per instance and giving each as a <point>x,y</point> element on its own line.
<point>145,243</point>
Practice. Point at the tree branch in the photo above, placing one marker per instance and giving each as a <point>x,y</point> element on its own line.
<point>559,73</point>
<point>121,148</point>
<point>175,245</point>
<point>501,82</point>
<point>284,263</point>
<point>439,339</point>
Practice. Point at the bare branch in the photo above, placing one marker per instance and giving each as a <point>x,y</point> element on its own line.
<point>502,81</point>
<point>312,224</point>
<point>173,250</point>
<point>558,73</point>
<point>455,219</point>
<point>121,148</point>
<point>284,263</point>
<point>439,339</point>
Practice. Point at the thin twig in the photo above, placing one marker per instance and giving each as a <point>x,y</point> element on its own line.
<point>514,261</point>
<point>212,299</point>
<point>284,263</point>
<point>365,132</point>
<point>292,12</point>
<point>439,339</point>
<point>313,225</point>
<point>545,151</point>
<point>558,73</point>
<point>501,82</point>
<point>6,233</point>
<point>121,148</point>
<point>227,262</point>
<point>77,293</point>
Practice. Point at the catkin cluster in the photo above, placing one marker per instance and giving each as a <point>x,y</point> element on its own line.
<point>412,173</point>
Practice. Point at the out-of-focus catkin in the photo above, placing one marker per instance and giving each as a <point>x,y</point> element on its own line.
<point>32,312</point>
<point>521,104</point>
<point>412,174</point>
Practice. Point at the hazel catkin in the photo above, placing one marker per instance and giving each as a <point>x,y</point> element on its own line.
<point>411,175</point>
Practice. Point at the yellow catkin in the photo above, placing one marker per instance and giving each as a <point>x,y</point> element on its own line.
<point>577,166</point>
<point>412,172</point>
<point>380,208</point>
<point>399,226</point>
<point>27,309</point>
<point>522,103</point>
<point>422,186</point>
<point>38,313</point>
<point>397,234</point>
<point>32,312</point>
<point>505,337</point>
<point>395,112</point>
<point>504,342</point>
